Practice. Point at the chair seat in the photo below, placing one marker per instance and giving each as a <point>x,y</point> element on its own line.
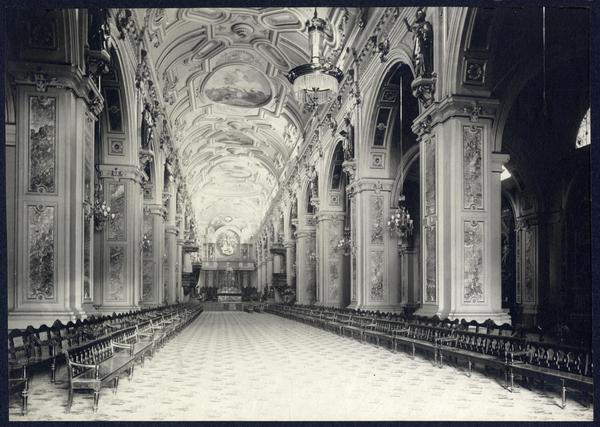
<point>551,374</point>
<point>108,368</point>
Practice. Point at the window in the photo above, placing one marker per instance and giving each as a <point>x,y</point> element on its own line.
<point>583,135</point>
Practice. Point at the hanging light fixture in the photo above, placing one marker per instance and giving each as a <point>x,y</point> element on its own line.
<point>400,222</point>
<point>317,82</point>
<point>345,244</point>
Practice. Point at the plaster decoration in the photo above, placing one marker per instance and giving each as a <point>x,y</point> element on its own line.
<point>377,160</point>
<point>376,215</point>
<point>113,109</point>
<point>376,278</point>
<point>238,85</point>
<point>334,199</point>
<point>228,242</point>
<point>272,54</point>
<point>116,275</point>
<point>472,167</point>
<point>424,89</point>
<point>383,117</point>
<point>41,33</point>
<point>474,72</point>
<point>529,273</point>
<point>473,291</point>
<point>430,263</point>
<point>148,280</point>
<point>430,176</point>
<point>42,144</point>
<point>334,280</point>
<point>353,283</point>
<point>87,260</point>
<point>118,201</point>
<point>41,252</point>
<point>116,147</point>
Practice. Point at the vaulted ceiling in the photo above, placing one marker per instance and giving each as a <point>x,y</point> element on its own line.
<point>223,81</point>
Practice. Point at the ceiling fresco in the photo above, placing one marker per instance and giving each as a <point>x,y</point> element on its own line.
<point>235,119</point>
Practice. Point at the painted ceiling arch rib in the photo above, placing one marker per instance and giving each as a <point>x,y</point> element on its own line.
<point>235,119</point>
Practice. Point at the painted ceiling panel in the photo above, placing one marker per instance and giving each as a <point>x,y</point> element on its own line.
<point>236,122</point>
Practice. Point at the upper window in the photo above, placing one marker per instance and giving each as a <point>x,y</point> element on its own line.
<point>583,135</point>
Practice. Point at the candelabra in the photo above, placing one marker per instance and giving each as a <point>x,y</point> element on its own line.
<point>345,244</point>
<point>99,210</point>
<point>401,224</point>
<point>146,243</point>
<point>313,257</point>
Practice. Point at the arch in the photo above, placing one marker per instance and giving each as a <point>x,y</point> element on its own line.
<point>397,57</point>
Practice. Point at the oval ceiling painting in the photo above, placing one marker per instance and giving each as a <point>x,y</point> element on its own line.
<point>238,85</point>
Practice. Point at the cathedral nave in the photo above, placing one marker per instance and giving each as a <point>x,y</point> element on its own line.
<point>298,213</point>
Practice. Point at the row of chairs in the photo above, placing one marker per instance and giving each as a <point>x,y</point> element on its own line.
<point>32,349</point>
<point>486,344</point>
<point>94,364</point>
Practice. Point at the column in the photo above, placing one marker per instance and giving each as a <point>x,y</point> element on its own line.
<point>527,253</point>
<point>152,283</point>
<point>305,267</point>
<point>375,248</point>
<point>269,267</point>
<point>45,198</point>
<point>290,258</point>
<point>460,179</point>
<point>171,232</point>
<point>331,283</point>
<point>179,264</point>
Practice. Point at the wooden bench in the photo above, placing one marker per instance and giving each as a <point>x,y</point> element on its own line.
<point>93,365</point>
<point>418,336</point>
<point>566,366</point>
<point>491,351</point>
<point>18,382</point>
<point>387,330</point>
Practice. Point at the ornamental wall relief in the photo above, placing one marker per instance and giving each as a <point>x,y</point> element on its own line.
<point>42,144</point>
<point>227,243</point>
<point>430,174</point>
<point>115,291</point>
<point>473,291</point>
<point>376,220</point>
<point>376,279</point>
<point>430,263</point>
<point>41,252</point>
<point>472,167</point>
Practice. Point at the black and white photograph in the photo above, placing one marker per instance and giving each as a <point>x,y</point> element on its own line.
<point>298,213</point>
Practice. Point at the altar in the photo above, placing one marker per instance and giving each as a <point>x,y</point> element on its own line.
<point>229,289</point>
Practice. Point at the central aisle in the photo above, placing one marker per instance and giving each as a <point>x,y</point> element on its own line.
<point>241,366</point>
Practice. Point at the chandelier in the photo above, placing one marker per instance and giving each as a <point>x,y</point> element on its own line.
<point>401,224</point>
<point>345,244</point>
<point>146,243</point>
<point>317,82</point>
<point>99,210</point>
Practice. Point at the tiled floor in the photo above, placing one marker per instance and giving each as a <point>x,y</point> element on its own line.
<point>242,366</point>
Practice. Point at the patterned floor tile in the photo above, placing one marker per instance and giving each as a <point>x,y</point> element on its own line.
<point>241,366</point>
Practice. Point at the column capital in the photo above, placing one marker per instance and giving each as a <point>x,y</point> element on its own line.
<point>497,160</point>
<point>121,172</point>
<point>172,229</point>
<point>60,76</point>
<point>472,108</point>
<point>155,209</point>
<point>330,216</point>
<point>376,185</point>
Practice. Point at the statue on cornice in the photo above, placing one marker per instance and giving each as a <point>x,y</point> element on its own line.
<point>423,44</point>
<point>348,143</point>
